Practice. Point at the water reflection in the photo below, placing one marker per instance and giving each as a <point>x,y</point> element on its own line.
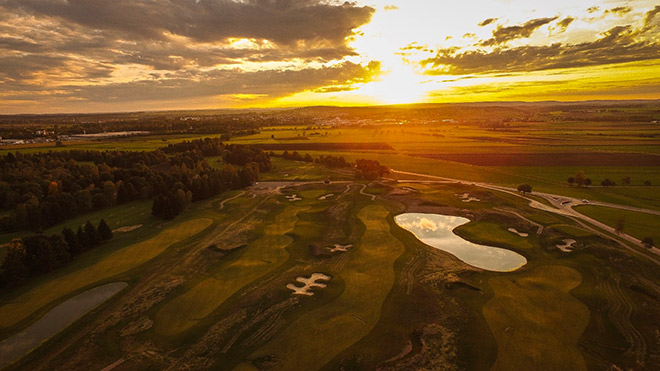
<point>437,231</point>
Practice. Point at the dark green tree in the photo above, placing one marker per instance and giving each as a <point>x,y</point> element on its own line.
<point>104,231</point>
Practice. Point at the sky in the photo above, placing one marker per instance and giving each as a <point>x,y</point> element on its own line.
<point>135,55</point>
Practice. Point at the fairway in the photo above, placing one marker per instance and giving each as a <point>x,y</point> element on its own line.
<point>260,258</point>
<point>317,336</point>
<point>535,320</point>
<point>118,262</point>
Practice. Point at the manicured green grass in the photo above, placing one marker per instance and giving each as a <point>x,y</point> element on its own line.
<point>116,263</point>
<point>490,233</point>
<point>535,320</point>
<point>639,225</point>
<point>317,336</point>
<point>128,214</point>
<point>260,257</point>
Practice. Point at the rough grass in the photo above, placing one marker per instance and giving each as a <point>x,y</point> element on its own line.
<point>317,336</point>
<point>260,257</point>
<point>639,225</point>
<point>116,263</point>
<point>535,320</point>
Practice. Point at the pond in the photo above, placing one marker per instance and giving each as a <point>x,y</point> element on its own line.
<point>56,320</point>
<point>437,231</point>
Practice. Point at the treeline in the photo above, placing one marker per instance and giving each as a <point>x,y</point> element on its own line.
<point>39,254</point>
<point>41,190</point>
<point>328,161</point>
<point>370,169</point>
<point>228,126</point>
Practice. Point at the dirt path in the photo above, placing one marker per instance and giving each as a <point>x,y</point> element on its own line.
<point>222,204</point>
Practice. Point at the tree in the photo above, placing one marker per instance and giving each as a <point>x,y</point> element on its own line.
<point>620,225</point>
<point>13,270</point>
<point>580,178</point>
<point>92,234</point>
<point>71,240</point>
<point>647,183</point>
<point>625,180</point>
<point>525,188</point>
<point>587,182</point>
<point>571,180</point>
<point>607,183</point>
<point>647,242</point>
<point>104,231</point>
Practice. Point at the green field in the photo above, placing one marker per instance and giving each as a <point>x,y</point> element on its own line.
<point>638,225</point>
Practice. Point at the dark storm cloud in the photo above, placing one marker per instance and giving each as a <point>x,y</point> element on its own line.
<point>617,45</point>
<point>502,35</point>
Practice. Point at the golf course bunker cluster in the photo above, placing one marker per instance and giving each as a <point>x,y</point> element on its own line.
<point>437,231</point>
<point>308,283</point>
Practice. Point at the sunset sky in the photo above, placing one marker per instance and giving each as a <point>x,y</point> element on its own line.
<point>128,55</point>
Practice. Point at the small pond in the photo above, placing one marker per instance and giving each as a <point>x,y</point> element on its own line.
<point>56,320</point>
<point>437,231</point>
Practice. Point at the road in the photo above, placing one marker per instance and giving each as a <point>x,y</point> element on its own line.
<point>562,205</point>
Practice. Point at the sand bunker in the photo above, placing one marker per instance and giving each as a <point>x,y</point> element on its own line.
<point>567,246</point>
<point>466,197</point>
<point>309,284</point>
<point>521,234</point>
<point>293,197</point>
<point>127,228</point>
<point>342,248</point>
<point>326,196</point>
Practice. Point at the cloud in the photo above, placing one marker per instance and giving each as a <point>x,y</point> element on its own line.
<point>649,17</point>
<point>281,21</point>
<point>619,10</point>
<point>564,23</point>
<point>389,8</point>
<point>502,35</point>
<point>181,85</point>
<point>617,45</point>
<point>486,22</point>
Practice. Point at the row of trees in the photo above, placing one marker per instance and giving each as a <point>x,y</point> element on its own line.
<point>582,181</point>
<point>39,254</point>
<point>370,169</point>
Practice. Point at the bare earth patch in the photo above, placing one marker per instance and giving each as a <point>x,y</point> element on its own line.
<point>325,197</point>
<point>293,198</point>
<point>309,283</point>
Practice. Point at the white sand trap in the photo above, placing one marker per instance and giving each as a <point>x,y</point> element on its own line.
<point>309,284</point>
<point>567,246</point>
<point>342,248</point>
<point>293,198</point>
<point>324,197</point>
<point>127,228</point>
<point>466,197</point>
<point>521,234</point>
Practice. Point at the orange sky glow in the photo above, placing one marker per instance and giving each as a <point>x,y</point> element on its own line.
<point>127,55</point>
